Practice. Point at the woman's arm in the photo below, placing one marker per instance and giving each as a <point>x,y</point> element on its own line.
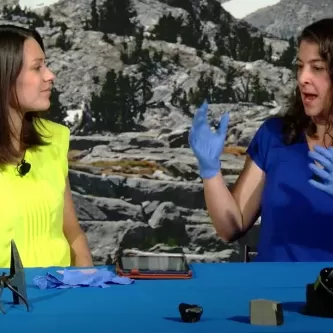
<point>233,212</point>
<point>76,237</point>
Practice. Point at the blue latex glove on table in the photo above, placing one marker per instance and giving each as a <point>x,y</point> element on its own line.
<point>323,156</point>
<point>74,278</point>
<point>206,144</point>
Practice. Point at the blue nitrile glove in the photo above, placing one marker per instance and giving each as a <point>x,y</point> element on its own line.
<point>207,145</point>
<point>324,156</point>
<point>74,278</point>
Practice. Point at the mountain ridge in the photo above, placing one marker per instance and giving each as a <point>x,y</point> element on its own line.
<point>288,17</point>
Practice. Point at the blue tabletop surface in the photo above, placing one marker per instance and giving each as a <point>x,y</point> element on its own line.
<point>223,290</point>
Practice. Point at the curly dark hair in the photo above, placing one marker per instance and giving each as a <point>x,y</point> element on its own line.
<point>295,122</point>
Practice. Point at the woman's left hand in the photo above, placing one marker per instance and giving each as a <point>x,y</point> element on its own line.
<point>323,156</point>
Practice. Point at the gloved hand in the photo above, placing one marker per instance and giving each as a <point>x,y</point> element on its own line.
<point>324,156</point>
<point>207,145</point>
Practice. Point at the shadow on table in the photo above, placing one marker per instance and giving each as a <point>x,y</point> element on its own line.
<point>293,306</point>
<point>31,300</point>
<point>179,320</point>
<point>174,319</point>
<point>240,319</point>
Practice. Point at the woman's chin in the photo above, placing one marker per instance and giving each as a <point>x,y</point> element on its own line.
<point>42,107</point>
<point>313,112</point>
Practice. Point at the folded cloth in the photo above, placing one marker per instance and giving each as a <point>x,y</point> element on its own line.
<point>75,278</point>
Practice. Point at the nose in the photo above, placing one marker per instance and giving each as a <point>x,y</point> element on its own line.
<point>304,75</point>
<point>49,75</point>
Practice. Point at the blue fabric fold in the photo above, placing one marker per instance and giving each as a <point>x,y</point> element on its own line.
<point>76,278</point>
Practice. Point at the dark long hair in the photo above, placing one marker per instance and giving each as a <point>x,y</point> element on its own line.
<point>295,122</point>
<point>12,40</point>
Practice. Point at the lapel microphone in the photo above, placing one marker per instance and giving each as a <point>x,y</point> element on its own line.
<point>24,167</point>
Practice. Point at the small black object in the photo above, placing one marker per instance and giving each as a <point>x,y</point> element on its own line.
<point>23,168</point>
<point>319,295</point>
<point>190,313</point>
<point>15,281</point>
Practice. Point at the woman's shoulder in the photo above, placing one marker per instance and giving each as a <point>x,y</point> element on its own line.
<point>269,132</point>
<point>52,132</point>
<point>272,125</point>
<point>56,136</point>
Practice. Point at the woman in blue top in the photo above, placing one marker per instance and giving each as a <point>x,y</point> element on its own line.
<point>288,173</point>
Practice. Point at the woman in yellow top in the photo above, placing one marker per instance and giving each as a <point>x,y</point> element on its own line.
<point>37,209</point>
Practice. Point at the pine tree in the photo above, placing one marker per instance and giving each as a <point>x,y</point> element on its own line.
<point>168,28</point>
<point>257,49</point>
<point>121,103</point>
<point>288,56</point>
<point>103,106</point>
<point>259,94</point>
<point>93,23</point>
<point>62,41</point>
<point>115,17</point>
<point>269,53</point>
<point>211,12</point>
<point>229,92</point>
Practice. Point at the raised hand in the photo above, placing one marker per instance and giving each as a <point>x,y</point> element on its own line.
<point>206,144</point>
<point>324,156</point>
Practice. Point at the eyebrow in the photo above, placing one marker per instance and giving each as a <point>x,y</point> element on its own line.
<point>312,60</point>
<point>38,59</point>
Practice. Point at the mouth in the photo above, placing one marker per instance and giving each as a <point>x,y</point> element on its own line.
<point>309,97</point>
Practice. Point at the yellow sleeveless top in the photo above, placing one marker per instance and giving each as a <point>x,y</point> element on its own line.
<point>32,205</point>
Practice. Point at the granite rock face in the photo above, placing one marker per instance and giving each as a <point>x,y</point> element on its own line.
<point>135,192</point>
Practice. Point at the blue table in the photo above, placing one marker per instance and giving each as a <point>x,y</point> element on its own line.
<point>223,290</point>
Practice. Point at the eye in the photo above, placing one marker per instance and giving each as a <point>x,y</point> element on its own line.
<point>298,66</point>
<point>318,68</point>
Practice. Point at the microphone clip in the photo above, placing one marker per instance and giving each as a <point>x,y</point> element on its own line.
<point>23,168</point>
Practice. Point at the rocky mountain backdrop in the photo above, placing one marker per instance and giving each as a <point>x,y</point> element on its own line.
<point>130,75</point>
<point>287,18</point>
